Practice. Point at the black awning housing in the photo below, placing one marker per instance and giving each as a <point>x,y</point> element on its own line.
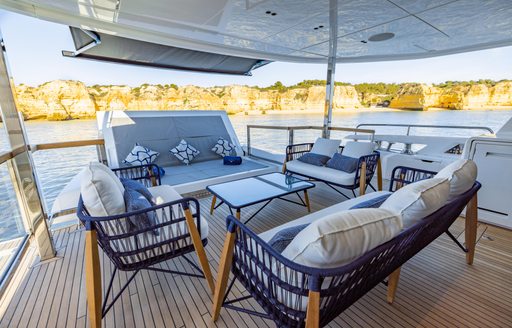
<point>110,48</point>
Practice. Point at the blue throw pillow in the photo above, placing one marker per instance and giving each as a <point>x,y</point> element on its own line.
<point>284,237</point>
<point>314,159</point>
<point>136,201</point>
<point>343,163</point>
<point>372,203</point>
<point>138,187</point>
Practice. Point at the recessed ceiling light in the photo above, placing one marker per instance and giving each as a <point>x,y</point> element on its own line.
<point>381,37</point>
<point>364,41</point>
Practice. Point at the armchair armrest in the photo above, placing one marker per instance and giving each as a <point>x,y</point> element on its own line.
<point>148,174</point>
<point>297,150</point>
<point>403,175</point>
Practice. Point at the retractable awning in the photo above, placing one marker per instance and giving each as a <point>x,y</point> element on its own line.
<point>110,48</point>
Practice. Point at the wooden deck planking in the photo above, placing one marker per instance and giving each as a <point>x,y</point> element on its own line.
<point>437,288</point>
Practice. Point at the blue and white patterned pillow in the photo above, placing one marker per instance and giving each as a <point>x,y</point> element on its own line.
<point>141,155</point>
<point>223,147</point>
<point>184,152</point>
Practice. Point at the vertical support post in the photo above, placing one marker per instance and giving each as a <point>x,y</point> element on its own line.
<point>331,67</point>
<point>93,277</point>
<point>248,140</point>
<point>290,136</point>
<point>471,228</point>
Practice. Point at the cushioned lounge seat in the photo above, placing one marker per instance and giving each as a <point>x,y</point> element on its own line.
<point>321,172</point>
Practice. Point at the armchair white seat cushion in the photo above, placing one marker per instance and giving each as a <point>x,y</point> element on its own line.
<point>418,200</point>
<point>267,235</point>
<point>164,194</point>
<point>326,147</point>
<point>357,149</point>
<point>339,238</point>
<point>102,192</point>
<point>321,172</point>
<point>461,174</point>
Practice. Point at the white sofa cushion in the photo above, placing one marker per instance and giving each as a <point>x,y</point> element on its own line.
<point>340,238</point>
<point>326,147</point>
<point>336,208</point>
<point>418,200</point>
<point>321,172</point>
<point>357,149</point>
<point>100,192</point>
<point>461,174</point>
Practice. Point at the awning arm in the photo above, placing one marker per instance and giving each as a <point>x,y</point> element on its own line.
<point>96,40</point>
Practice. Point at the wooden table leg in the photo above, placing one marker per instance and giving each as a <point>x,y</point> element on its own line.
<point>471,228</point>
<point>393,284</point>
<point>93,278</point>
<point>214,200</point>
<point>306,199</point>
<point>226,259</point>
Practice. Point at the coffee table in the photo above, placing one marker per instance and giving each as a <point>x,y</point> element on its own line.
<point>259,189</point>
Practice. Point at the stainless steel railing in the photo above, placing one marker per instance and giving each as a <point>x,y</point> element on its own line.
<point>291,132</point>
<point>409,126</point>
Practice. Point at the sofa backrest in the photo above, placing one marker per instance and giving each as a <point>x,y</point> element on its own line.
<point>163,130</point>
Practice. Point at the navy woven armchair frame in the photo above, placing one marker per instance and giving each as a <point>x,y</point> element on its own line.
<point>294,295</point>
<point>176,232</point>
<point>367,166</point>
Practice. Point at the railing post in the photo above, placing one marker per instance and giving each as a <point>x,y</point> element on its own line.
<point>248,140</point>
<point>290,136</point>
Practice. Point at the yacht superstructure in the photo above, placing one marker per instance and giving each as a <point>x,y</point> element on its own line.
<point>45,279</point>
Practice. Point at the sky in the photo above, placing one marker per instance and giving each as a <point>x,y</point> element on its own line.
<point>34,54</point>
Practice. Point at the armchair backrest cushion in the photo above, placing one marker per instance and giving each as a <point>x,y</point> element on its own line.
<point>102,192</point>
<point>326,147</point>
<point>341,237</point>
<point>357,149</point>
<point>461,174</point>
<point>418,200</point>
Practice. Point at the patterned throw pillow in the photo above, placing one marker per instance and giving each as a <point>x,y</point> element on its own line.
<point>284,237</point>
<point>141,155</point>
<point>184,152</point>
<point>223,147</point>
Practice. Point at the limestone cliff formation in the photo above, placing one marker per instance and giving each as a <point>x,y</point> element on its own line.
<point>62,100</point>
<point>464,96</point>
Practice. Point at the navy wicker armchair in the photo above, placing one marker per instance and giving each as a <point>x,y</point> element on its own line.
<point>293,295</point>
<point>177,231</point>
<point>367,166</point>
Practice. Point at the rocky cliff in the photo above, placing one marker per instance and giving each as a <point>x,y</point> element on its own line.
<point>421,96</point>
<point>62,100</point>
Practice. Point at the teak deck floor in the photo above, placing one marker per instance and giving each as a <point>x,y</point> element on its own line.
<point>437,288</point>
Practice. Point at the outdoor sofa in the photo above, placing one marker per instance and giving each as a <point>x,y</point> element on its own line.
<point>322,272</point>
<point>367,164</point>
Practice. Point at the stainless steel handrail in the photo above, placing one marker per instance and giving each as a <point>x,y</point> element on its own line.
<point>409,126</point>
<point>291,130</point>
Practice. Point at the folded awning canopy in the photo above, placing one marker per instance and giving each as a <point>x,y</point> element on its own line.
<point>111,48</point>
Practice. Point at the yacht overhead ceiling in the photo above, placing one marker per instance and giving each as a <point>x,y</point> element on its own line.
<point>291,30</point>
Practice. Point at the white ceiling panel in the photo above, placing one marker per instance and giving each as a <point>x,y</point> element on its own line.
<point>416,6</point>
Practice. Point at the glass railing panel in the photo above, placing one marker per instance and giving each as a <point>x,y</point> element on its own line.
<point>12,230</point>
<point>4,141</point>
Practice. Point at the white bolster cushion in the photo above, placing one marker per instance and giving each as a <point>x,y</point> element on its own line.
<point>100,192</point>
<point>418,200</point>
<point>342,237</point>
<point>461,174</point>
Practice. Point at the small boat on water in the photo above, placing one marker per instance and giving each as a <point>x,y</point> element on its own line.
<point>337,227</point>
